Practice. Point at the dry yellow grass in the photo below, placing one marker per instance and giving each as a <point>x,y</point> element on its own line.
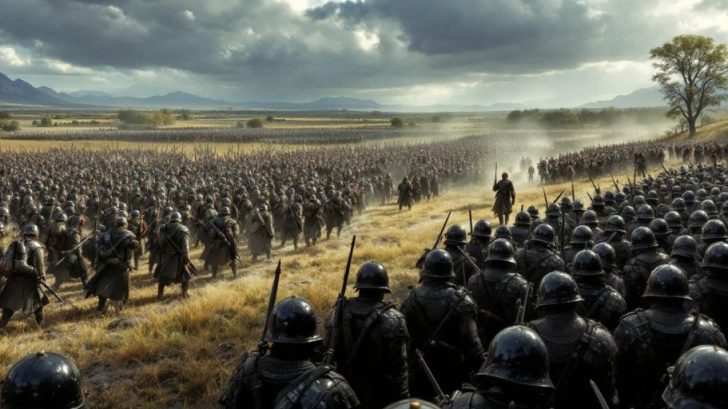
<point>713,131</point>
<point>179,353</point>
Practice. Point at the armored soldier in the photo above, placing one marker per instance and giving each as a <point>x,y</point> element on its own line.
<point>337,212</point>
<point>711,292</point>
<point>612,273</point>
<point>21,291</point>
<point>463,265</point>
<point>662,234</point>
<point>174,255</point>
<point>614,235</point>
<point>592,220</point>
<point>313,220</point>
<point>497,288</point>
<point>71,263</point>
<point>138,227</point>
<point>602,303</point>
<point>515,374</point>
<point>535,218</point>
<point>651,340</point>
<point>505,197</point>
<point>372,350</point>
<point>692,386</point>
<point>713,231</point>
<point>260,232</point>
<point>285,375</point>
<point>221,248</point>
<point>581,239</point>
<point>538,257</point>
<point>521,230</point>
<point>685,257</point>
<point>646,255</point>
<point>44,380</point>
<point>696,222</point>
<point>579,349</point>
<point>406,192</point>
<point>113,263</point>
<point>292,222</point>
<point>441,320</point>
<point>478,245</point>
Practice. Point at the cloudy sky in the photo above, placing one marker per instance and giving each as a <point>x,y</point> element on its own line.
<point>541,52</point>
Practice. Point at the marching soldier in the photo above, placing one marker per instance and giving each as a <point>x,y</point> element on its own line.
<point>221,247</point>
<point>463,264</point>
<point>711,292</point>
<point>313,220</point>
<point>539,257</point>
<point>521,230</point>
<point>406,192</point>
<point>260,232</point>
<point>505,197</point>
<point>292,222</point>
<point>477,247</point>
<point>174,256</point>
<point>646,255</point>
<point>692,386</point>
<point>602,303</point>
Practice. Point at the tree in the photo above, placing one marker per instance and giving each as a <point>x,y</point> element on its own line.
<point>270,118</point>
<point>9,126</point>
<point>691,71</point>
<point>46,121</point>
<point>254,123</point>
<point>396,122</point>
<point>5,115</point>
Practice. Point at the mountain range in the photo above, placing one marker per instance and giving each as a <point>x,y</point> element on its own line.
<point>19,92</point>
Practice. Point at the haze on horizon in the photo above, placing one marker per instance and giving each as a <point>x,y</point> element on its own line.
<point>417,52</point>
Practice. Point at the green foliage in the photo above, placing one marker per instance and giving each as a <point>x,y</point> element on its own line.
<point>564,118</point>
<point>45,122</point>
<point>396,122</point>
<point>692,72</point>
<point>254,123</point>
<point>269,118</point>
<point>156,118</point>
<point>5,115</point>
<point>9,126</point>
<point>184,115</point>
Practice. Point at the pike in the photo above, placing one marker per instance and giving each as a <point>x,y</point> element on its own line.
<point>191,267</point>
<point>521,305</point>
<point>470,218</point>
<point>495,176</point>
<point>67,252</point>
<point>50,290</point>
<point>421,260</point>
<point>545,199</point>
<point>602,402</point>
<point>339,310</point>
<point>263,344</point>
<point>440,395</point>
<point>559,196</point>
<point>573,195</point>
<point>596,189</point>
<point>616,185</point>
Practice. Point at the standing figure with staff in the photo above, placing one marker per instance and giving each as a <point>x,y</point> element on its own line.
<point>505,197</point>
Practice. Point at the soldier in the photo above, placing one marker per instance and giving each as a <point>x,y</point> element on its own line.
<point>260,232</point>
<point>372,351</point>
<point>646,255</point>
<point>285,376</point>
<point>44,380</point>
<point>138,227</point>
<point>505,197</point>
<point>581,239</point>
<point>174,256</point>
<point>21,291</point>
<point>662,233</point>
<point>579,349</point>
<point>463,265</point>
<point>691,386</point>
<point>614,235</point>
<point>535,218</point>
<point>592,220</point>
<point>651,340</point>
<point>612,273</point>
<point>711,292</point>
<point>696,222</point>
<point>313,220</point>
<point>685,257</point>
<point>539,257</point>
<point>406,192</point>
<point>71,263</point>
<point>337,212</point>
<point>674,222</point>
<point>113,263</point>
<point>515,374</point>
<point>441,320</point>
<point>497,288</point>
<point>531,171</point>
<point>292,222</point>
<point>602,303</point>
<point>221,248</point>
<point>713,231</point>
<point>478,245</point>
<point>521,230</point>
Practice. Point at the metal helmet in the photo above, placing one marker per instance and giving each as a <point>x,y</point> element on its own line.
<point>582,235</point>
<point>590,219</point>
<point>175,217</point>
<point>224,211</point>
<point>724,208</point>
<point>31,229</point>
<point>716,257</point>
<point>614,224</point>
<point>482,229</point>
<point>557,288</point>
<point>455,235</point>
<point>60,218</point>
<point>518,355</point>
<point>689,197</point>
<point>678,204</point>
<point>438,264</point>
<point>587,263</point>
<point>714,230</point>
<point>503,232</point>
<point>659,227</point>
<point>667,282</point>
<point>533,211</point>
<point>545,234</point>
<point>673,219</point>
<point>645,213</point>
<point>685,246</point>
<point>2,228</point>
<point>661,210</point>
<point>628,213</point>
<point>293,321</point>
<point>135,213</point>
<point>699,380</point>
<point>523,219</point>
<point>606,254</point>
<point>701,195</point>
<point>412,403</point>
<point>501,250</point>
<point>44,380</point>
<point>121,221</point>
<point>643,238</point>
<point>652,198</point>
<point>609,197</point>
<point>578,206</point>
<point>372,276</point>
<point>697,219</point>
<point>553,210</point>
<point>597,200</point>
<point>708,206</point>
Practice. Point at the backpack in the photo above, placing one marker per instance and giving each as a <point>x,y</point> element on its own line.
<point>16,251</point>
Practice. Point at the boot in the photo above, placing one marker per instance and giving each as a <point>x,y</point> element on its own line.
<point>39,315</point>
<point>6,315</point>
<point>102,304</point>
<point>185,287</point>
<point>234,267</point>
<point>160,291</point>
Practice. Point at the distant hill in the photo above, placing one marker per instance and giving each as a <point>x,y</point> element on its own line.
<point>20,92</point>
<point>641,98</point>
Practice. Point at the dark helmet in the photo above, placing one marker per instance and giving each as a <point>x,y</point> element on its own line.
<point>685,246</point>
<point>518,355</point>
<point>553,210</point>
<point>175,217</point>
<point>523,219</point>
<point>667,281</point>
<point>533,211</point>
<point>652,198</point>
<point>503,232</point>
<point>716,256</point>
<point>590,219</point>
<point>645,213</point>
<point>411,403</point>
<point>482,229</point>
<point>372,276</point>
<point>61,217</point>
<point>659,227</point>
<point>121,221</point>
<point>697,219</point>
<point>582,235</point>
<point>557,288</point>
<point>293,322</point>
<point>606,254</point>
<point>688,197</point>
<point>661,210</point>
<point>545,234</point>
<point>702,194</point>
<point>587,263</point>
<point>501,250</point>
<point>643,238</point>
<point>678,204</point>
<point>455,235</point>
<point>224,211</point>
<point>609,197</point>
<point>673,219</point>
<point>438,264</point>
<point>578,206</point>
<point>135,213</point>
<point>620,197</point>
<point>615,223</point>
<point>714,230</point>
<point>699,380</point>
<point>597,200</point>
<point>43,380</point>
<point>628,212</point>
<point>708,206</point>
<point>565,202</point>
<point>30,229</point>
